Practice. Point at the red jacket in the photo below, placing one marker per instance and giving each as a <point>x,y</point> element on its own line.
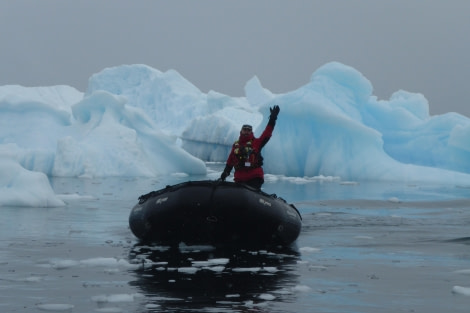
<point>246,157</point>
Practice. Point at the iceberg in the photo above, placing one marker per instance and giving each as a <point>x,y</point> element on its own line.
<point>134,120</point>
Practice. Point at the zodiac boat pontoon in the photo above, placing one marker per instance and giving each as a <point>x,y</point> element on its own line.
<point>214,212</point>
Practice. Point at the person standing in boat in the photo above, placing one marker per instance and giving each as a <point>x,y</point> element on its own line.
<point>245,155</point>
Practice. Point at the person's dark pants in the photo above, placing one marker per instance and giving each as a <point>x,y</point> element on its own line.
<point>255,183</point>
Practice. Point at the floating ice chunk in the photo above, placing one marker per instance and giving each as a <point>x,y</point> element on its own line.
<point>188,270</point>
<point>299,180</point>
<point>309,250</point>
<point>101,261</point>
<point>236,295</point>
<point>21,187</point>
<point>349,183</point>
<point>219,261</point>
<point>301,288</point>
<point>215,268</point>
<point>111,263</point>
<point>270,269</point>
<point>164,299</point>
<point>327,178</point>
<point>249,303</point>
<point>364,237</point>
<point>461,290</point>
<point>64,264</point>
<point>30,279</point>
<point>120,297</point>
<point>252,304</point>
<point>55,307</point>
<point>211,262</point>
<point>283,291</point>
<point>267,296</point>
<point>200,263</point>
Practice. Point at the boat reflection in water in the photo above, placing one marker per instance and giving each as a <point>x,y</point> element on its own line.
<point>222,279</point>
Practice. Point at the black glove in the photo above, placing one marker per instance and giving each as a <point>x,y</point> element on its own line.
<point>273,117</point>
<point>225,173</point>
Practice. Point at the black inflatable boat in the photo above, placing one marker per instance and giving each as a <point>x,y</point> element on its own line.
<point>214,212</point>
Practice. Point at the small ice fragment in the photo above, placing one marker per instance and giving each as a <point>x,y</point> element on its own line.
<point>32,279</point>
<point>267,296</point>
<point>301,288</point>
<point>100,261</point>
<point>461,290</point>
<point>188,270</point>
<point>55,307</point>
<point>219,261</point>
<point>350,183</point>
<point>236,295</point>
<point>121,297</point>
<point>64,264</point>
<point>309,250</point>
<point>270,269</point>
<point>216,268</point>
<point>364,237</point>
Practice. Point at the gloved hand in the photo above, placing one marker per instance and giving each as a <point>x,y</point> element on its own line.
<point>223,176</point>
<point>226,172</point>
<point>274,111</point>
<point>273,117</point>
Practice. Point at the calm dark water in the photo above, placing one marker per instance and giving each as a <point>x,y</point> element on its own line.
<point>368,247</point>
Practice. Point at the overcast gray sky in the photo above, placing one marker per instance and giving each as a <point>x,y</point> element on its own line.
<point>416,45</point>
